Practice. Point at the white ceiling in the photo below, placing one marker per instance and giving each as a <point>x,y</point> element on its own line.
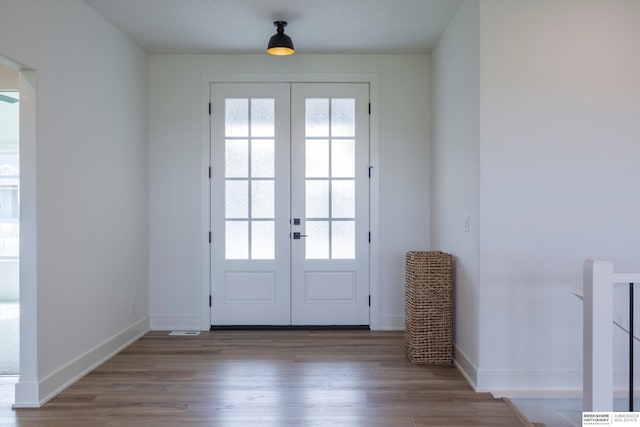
<point>316,26</point>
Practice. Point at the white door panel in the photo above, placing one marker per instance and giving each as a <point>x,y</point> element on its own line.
<point>330,196</point>
<point>250,268</point>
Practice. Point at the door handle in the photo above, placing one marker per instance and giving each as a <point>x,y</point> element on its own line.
<point>297,235</point>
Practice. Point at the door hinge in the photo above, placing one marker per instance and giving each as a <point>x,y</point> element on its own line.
<point>370,168</point>
<point>209,172</point>
<point>369,237</point>
<point>209,237</point>
<point>369,108</point>
<point>210,301</point>
<point>210,109</point>
<point>369,301</point>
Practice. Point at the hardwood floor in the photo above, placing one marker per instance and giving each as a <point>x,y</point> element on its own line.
<point>267,378</point>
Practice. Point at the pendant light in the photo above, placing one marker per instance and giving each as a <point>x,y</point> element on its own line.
<point>280,44</point>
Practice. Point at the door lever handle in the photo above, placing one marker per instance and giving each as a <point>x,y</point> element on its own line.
<point>297,235</point>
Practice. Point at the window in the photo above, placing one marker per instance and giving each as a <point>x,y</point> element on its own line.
<point>9,175</point>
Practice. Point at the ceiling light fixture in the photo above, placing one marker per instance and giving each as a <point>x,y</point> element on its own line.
<point>280,44</point>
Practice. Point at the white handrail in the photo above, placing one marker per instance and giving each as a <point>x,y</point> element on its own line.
<point>597,339</point>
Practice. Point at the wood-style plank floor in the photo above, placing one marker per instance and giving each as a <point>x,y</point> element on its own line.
<point>267,378</point>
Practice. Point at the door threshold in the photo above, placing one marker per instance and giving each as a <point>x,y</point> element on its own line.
<point>290,328</point>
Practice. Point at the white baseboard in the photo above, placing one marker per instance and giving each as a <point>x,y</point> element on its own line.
<point>544,383</point>
<point>36,394</point>
<point>571,394</point>
<point>172,322</point>
<point>537,394</point>
<point>519,383</point>
<point>27,394</point>
<point>391,322</point>
<point>466,367</point>
<point>529,379</point>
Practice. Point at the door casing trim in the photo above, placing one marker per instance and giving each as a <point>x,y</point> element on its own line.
<point>206,80</point>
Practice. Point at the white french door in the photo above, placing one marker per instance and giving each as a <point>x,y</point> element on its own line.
<point>290,204</point>
<point>330,196</point>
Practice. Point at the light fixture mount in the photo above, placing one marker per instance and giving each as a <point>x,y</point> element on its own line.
<point>280,44</point>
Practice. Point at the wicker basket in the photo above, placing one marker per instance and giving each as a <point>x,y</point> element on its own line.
<point>429,307</point>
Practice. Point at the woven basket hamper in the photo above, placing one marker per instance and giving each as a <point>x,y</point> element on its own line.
<point>429,307</point>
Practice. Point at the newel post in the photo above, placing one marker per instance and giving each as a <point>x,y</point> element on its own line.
<point>597,347</point>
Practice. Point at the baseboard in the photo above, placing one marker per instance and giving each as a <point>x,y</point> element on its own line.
<point>530,383</point>
<point>391,322</point>
<point>519,383</point>
<point>548,384</point>
<point>567,394</point>
<point>489,380</point>
<point>541,381</point>
<point>36,394</point>
<point>172,322</point>
<point>27,394</point>
<point>537,394</point>
<point>467,368</point>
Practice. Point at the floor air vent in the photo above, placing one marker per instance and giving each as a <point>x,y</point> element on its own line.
<point>185,333</point>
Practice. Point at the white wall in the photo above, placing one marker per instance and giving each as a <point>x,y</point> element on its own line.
<point>536,136</point>
<point>559,108</point>
<point>175,170</point>
<point>91,191</point>
<point>454,162</point>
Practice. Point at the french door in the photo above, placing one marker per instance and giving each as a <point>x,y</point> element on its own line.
<point>290,204</point>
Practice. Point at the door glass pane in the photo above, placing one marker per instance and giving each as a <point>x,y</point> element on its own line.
<point>236,161</point>
<point>317,158</point>
<point>254,160</point>
<point>236,199</point>
<point>343,239</point>
<point>237,240</point>
<point>262,199</point>
<point>262,158</point>
<point>343,158</point>
<point>317,240</point>
<point>236,119</point>
<point>317,117</point>
<point>343,117</point>
<point>332,198</point>
<point>343,199</point>
<point>262,240</point>
<point>317,199</point>
<point>262,118</point>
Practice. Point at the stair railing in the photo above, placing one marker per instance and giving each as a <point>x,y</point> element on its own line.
<point>597,327</point>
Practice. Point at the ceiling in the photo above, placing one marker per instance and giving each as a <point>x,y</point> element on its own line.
<point>316,26</point>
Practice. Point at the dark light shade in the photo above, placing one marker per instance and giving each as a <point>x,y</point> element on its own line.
<point>280,44</point>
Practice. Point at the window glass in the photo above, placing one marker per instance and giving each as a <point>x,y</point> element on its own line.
<point>9,174</point>
<point>236,118</point>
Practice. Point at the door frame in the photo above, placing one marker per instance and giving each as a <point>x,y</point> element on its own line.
<point>206,80</point>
